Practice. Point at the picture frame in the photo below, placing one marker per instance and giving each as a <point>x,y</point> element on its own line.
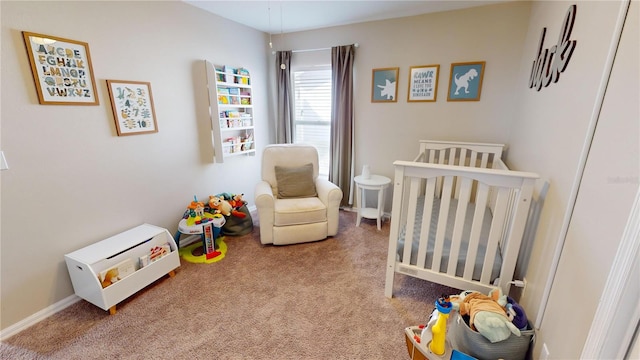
<point>132,104</point>
<point>61,69</point>
<point>423,83</point>
<point>384,83</point>
<point>465,81</point>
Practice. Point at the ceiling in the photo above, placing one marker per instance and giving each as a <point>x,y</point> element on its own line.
<point>275,16</point>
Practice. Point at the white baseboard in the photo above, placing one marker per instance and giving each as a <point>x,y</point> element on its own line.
<point>37,317</point>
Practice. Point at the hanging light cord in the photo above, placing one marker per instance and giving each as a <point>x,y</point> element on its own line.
<point>269,10</point>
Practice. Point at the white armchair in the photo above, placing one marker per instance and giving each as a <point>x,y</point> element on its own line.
<point>294,205</point>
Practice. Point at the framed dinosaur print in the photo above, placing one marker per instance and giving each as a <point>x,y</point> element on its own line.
<point>423,83</point>
<point>465,81</point>
<point>384,85</point>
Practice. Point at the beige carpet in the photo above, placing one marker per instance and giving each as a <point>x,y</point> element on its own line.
<point>321,300</point>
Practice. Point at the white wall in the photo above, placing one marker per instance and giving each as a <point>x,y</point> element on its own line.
<point>607,192</point>
<point>385,132</point>
<point>548,137</point>
<point>72,180</point>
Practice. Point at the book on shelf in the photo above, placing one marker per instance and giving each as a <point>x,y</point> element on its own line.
<point>234,91</point>
<point>223,99</point>
<point>158,252</point>
<point>116,273</point>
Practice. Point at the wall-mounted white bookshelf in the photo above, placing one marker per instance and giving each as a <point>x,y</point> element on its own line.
<point>231,109</point>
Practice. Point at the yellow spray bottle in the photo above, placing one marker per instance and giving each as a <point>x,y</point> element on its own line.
<point>439,329</point>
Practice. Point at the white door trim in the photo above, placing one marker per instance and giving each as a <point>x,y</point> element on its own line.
<point>619,300</point>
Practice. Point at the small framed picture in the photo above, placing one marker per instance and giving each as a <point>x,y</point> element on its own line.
<point>423,83</point>
<point>61,70</point>
<point>465,81</point>
<point>384,85</point>
<point>132,104</point>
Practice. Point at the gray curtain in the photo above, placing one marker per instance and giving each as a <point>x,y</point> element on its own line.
<point>284,106</point>
<point>341,150</point>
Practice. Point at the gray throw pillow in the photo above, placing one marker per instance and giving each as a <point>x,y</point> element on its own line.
<point>295,182</point>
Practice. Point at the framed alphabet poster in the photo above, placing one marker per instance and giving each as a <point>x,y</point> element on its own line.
<point>423,83</point>
<point>465,81</point>
<point>61,70</point>
<point>132,105</point>
<point>383,85</point>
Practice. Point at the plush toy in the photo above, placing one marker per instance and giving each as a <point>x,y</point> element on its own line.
<point>224,207</point>
<point>518,316</point>
<point>110,277</point>
<point>487,315</point>
<point>220,205</point>
<point>236,201</point>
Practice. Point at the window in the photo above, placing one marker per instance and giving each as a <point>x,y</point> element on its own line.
<point>312,115</point>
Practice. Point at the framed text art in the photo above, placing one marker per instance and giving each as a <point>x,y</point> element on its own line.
<point>383,85</point>
<point>423,83</point>
<point>132,104</point>
<point>61,70</point>
<point>465,81</point>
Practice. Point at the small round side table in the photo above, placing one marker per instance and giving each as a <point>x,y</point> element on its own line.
<point>376,183</point>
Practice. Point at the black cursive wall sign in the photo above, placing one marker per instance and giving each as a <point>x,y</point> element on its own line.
<point>551,62</point>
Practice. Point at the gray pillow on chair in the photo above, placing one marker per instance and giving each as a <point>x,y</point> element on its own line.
<point>295,182</point>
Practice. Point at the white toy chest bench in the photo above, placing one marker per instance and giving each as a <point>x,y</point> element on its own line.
<point>142,255</point>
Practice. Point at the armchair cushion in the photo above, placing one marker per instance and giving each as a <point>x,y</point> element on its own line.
<point>295,182</point>
<point>299,211</point>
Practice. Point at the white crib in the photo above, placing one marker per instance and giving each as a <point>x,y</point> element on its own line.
<point>458,201</point>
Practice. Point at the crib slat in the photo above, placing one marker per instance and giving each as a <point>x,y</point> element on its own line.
<point>414,188</point>
<point>497,225</point>
<point>452,156</point>
<point>445,202</point>
<point>426,222</point>
<point>476,229</point>
<point>461,214</point>
<point>441,160</point>
<point>462,160</point>
<point>473,159</point>
<point>484,161</point>
<point>432,156</point>
<point>463,157</point>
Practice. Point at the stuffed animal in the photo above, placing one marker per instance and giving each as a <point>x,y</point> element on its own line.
<point>517,312</point>
<point>487,315</point>
<point>236,201</point>
<point>220,205</point>
<point>110,277</point>
<point>223,206</point>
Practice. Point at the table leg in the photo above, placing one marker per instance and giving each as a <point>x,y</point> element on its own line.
<point>359,200</point>
<point>176,237</point>
<point>380,206</point>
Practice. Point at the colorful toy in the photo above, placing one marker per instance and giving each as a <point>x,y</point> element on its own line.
<point>439,330</point>
<point>209,242</point>
<point>196,213</point>
<point>224,206</point>
<point>221,205</point>
<point>236,201</point>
